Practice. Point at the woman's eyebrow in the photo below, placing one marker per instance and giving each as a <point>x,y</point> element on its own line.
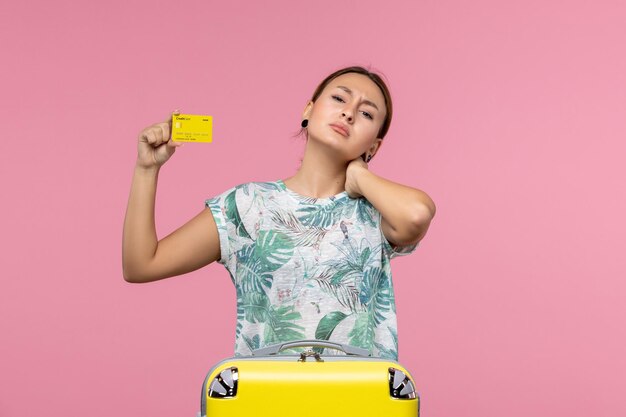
<point>347,90</point>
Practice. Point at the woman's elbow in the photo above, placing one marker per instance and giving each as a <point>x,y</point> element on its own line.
<point>133,276</point>
<point>129,277</point>
<point>421,217</point>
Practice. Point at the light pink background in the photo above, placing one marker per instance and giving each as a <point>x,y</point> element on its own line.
<point>511,115</point>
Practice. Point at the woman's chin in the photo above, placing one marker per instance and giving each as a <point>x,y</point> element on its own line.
<point>331,140</point>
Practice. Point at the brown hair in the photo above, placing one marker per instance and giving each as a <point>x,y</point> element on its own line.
<point>372,76</point>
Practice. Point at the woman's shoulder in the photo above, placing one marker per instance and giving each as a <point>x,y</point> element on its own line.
<point>246,189</point>
<point>259,187</point>
<point>254,190</point>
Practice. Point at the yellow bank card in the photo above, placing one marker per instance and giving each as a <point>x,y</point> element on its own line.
<point>192,128</point>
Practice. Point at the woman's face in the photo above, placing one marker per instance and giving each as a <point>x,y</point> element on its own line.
<point>348,115</point>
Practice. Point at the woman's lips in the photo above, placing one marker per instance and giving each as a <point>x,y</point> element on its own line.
<point>340,129</point>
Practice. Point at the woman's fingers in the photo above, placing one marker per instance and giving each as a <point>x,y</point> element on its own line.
<point>166,132</point>
<point>169,119</point>
<point>157,134</point>
<point>150,149</point>
<point>149,136</point>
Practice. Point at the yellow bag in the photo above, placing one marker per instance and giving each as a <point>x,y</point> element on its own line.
<point>309,385</point>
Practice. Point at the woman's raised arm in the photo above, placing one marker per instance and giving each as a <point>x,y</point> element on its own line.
<point>406,211</point>
<point>190,247</point>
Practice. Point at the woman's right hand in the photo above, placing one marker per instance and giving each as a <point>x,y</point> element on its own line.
<point>155,145</point>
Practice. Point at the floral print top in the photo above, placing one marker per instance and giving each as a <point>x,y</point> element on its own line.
<point>307,268</point>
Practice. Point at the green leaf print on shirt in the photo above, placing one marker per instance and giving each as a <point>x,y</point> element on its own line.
<point>342,274</point>
<point>328,323</point>
<point>362,333</point>
<point>281,327</point>
<point>253,343</point>
<point>376,298</point>
<point>375,294</point>
<point>255,306</point>
<point>354,261</point>
<point>385,352</point>
<point>299,234</point>
<point>251,275</point>
<point>241,314</point>
<point>345,291</point>
<point>230,206</point>
<point>257,261</point>
<point>322,216</point>
<point>364,212</point>
<point>273,250</point>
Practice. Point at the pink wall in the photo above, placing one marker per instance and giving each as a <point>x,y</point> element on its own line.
<point>511,115</point>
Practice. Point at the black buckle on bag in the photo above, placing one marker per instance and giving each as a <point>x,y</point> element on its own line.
<point>310,352</point>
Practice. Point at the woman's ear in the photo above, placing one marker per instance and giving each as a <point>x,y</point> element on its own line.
<point>307,110</point>
<point>375,147</point>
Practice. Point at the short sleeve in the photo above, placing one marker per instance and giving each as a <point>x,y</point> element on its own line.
<point>230,226</point>
<point>218,209</point>
<point>392,250</point>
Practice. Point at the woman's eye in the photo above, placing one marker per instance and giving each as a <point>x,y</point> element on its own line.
<point>339,99</point>
<point>368,115</point>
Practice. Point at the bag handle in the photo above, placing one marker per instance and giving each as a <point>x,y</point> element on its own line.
<point>274,349</point>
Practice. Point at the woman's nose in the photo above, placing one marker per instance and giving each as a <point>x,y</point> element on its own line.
<point>347,114</point>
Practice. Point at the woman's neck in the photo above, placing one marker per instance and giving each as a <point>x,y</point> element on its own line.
<point>320,175</point>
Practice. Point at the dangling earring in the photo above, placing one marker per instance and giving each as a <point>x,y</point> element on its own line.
<point>305,123</point>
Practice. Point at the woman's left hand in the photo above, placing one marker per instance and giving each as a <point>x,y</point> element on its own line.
<point>356,168</point>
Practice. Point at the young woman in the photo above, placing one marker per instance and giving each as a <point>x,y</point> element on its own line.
<point>308,255</point>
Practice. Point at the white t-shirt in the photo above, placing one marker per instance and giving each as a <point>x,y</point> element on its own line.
<point>307,268</point>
